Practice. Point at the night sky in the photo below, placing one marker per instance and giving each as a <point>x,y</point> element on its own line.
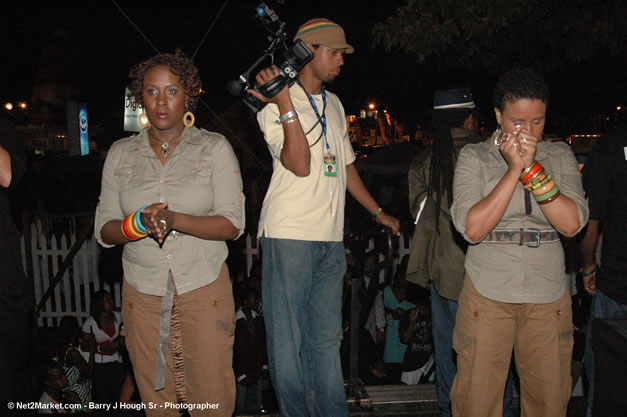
<point>104,44</point>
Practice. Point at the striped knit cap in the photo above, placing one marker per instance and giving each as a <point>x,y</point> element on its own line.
<point>320,31</point>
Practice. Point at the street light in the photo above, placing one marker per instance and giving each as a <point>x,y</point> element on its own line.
<point>22,105</point>
<point>8,106</point>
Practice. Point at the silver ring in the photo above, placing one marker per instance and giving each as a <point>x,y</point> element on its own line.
<point>164,223</point>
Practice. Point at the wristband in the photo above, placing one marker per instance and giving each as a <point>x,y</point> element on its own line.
<point>282,118</point>
<point>376,213</point>
<point>594,271</point>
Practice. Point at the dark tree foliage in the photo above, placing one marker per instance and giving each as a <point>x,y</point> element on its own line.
<point>494,35</point>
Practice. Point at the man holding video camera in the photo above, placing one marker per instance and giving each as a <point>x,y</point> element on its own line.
<point>301,227</point>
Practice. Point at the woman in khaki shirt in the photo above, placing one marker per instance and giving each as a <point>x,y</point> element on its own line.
<point>512,195</point>
<point>172,195</point>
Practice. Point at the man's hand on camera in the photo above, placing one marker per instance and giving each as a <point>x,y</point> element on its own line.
<point>263,77</point>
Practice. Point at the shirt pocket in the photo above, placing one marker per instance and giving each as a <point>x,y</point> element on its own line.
<point>127,177</point>
<point>197,171</point>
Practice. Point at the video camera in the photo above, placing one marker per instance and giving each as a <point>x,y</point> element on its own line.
<point>294,58</point>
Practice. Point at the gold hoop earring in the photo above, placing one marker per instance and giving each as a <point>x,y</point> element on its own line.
<point>189,119</point>
<point>143,120</point>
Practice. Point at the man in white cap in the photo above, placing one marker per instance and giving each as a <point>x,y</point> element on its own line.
<point>301,227</point>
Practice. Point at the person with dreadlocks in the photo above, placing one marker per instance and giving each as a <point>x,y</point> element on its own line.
<point>172,195</point>
<point>438,251</point>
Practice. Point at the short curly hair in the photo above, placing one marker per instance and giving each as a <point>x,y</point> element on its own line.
<point>180,65</point>
<point>519,83</point>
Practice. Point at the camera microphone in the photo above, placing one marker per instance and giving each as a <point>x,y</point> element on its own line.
<point>234,88</point>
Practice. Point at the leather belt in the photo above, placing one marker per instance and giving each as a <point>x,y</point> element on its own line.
<point>531,237</point>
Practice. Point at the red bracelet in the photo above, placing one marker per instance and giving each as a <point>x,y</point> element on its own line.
<point>125,230</point>
<point>532,171</point>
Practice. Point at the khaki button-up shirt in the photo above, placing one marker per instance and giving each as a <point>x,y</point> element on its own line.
<point>509,272</point>
<point>201,178</point>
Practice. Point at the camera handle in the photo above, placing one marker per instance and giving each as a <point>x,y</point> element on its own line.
<point>273,87</point>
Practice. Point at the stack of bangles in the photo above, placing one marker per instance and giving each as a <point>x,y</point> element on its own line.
<point>539,183</point>
<point>132,227</point>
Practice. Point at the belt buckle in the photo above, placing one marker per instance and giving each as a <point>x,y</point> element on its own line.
<point>536,242</point>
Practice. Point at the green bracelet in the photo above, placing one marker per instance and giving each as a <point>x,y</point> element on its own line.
<point>376,213</point>
<point>548,194</point>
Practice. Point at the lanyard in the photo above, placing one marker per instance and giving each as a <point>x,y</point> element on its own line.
<point>323,118</point>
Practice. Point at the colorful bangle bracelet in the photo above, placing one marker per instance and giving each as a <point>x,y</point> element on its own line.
<point>130,228</point>
<point>524,172</point>
<point>136,228</point>
<point>138,220</point>
<point>539,184</point>
<point>547,195</point>
<point>534,169</point>
<point>376,213</point>
<point>132,232</point>
<point>543,189</point>
<point>125,231</point>
<point>138,223</point>
<point>537,177</point>
<point>548,200</point>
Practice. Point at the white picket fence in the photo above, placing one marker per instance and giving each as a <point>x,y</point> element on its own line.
<point>72,295</point>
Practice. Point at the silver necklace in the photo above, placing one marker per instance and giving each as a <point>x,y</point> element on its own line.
<point>165,146</point>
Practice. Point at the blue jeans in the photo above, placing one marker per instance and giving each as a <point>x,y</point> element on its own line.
<point>602,307</point>
<point>443,312</point>
<point>302,303</point>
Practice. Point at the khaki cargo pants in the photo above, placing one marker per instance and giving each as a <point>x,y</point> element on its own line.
<point>541,336</point>
<point>207,332</point>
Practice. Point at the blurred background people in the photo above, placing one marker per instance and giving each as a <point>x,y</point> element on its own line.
<point>604,180</point>
<point>102,331</point>
<point>15,292</point>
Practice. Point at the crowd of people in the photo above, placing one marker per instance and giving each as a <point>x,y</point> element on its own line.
<point>483,293</point>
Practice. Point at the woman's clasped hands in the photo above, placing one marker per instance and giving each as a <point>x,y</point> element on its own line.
<point>519,148</point>
<point>158,220</point>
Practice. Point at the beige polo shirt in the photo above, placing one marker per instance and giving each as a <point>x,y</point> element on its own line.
<point>201,178</point>
<point>306,208</point>
<point>508,272</point>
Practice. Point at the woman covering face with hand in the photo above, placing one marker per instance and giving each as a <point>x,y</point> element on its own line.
<point>172,195</point>
<point>512,196</point>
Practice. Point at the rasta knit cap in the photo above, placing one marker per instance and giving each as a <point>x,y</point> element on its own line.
<point>320,31</point>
